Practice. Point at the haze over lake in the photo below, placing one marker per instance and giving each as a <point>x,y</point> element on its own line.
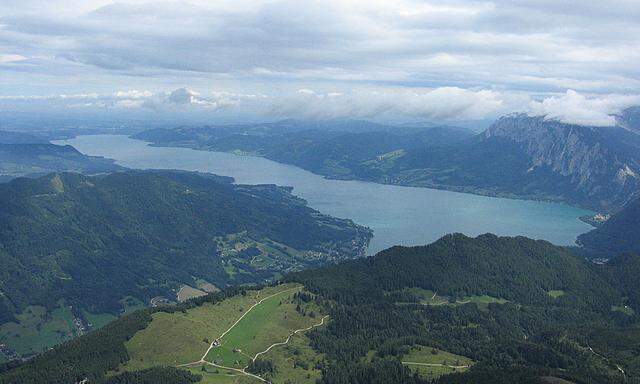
<point>398,215</point>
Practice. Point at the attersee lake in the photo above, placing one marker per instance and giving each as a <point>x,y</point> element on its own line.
<point>398,215</point>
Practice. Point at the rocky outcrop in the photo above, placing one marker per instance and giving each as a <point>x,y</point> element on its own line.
<point>600,164</point>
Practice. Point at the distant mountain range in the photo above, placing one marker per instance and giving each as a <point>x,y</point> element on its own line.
<point>103,244</point>
<point>24,154</point>
<point>518,156</point>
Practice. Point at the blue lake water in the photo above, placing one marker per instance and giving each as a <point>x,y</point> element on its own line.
<point>398,215</point>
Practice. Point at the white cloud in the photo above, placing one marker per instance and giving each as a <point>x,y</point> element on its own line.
<point>575,108</point>
<point>133,94</point>
<point>534,46</point>
<point>10,58</point>
<point>445,103</point>
<point>381,103</point>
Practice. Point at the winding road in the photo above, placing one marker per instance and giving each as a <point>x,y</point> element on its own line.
<point>217,342</point>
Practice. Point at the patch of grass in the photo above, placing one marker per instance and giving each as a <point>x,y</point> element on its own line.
<point>627,310</point>
<point>37,330</point>
<point>555,293</point>
<point>178,338</point>
<point>482,301</point>
<point>131,304</point>
<point>432,363</point>
<point>98,320</point>
<point>183,337</point>
<point>428,297</point>
<point>296,362</point>
<point>213,375</point>
<point>186,292</point>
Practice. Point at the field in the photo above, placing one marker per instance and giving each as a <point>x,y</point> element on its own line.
<point>38,330</point>
<point>432,363</point>
<point>245,326</point>
<point>627,310</point>
<point>270,322</point>
<point>186,292</point>
<point>295,361</point>
<point>98,320</point>
<point>239,251</point>
<point>556,293</point>
<point>428,297</point>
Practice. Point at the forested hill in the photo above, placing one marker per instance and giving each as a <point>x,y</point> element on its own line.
<point>485,310</point>
<point>335,149</point>
<point>525,310</point>
<point>619,234</point>
<point>22,154</point>
<point>89,242</point>
<point>517,269</point>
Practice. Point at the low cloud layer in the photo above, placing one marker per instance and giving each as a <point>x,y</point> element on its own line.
<point>444,104</point>
<point>574,108</point>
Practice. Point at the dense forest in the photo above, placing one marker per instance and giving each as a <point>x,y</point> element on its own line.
<point>550,318</point>
<point>93,241</point>
<point>534,334</point>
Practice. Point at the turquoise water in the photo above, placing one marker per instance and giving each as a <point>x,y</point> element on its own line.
<point>398,215</point>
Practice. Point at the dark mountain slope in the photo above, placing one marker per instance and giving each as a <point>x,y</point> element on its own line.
<point>619,234</point>
<point>600,165</point>
<point>37,159</point>
<point>94,240</point>
<point>517,269</point>
<point>553,297</point>
<point>13,137</point>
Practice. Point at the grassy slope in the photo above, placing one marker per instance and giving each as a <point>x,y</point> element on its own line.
<point>268,323</point>
<point>183,337</point>
<point>424,355</point>
<point>295,361</point>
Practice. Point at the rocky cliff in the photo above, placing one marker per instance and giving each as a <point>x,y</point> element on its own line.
<point>598,164</point>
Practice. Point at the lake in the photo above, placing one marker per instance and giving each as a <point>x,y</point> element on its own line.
<point>398,215</point>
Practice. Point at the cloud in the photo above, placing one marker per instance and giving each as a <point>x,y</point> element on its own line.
<point>532,46</point>
<point>435,104</point>
<point>182,96</point>
<point>575,108</point>
<point>445,103</point>
<point>133,94</point>
<point>10,58</point>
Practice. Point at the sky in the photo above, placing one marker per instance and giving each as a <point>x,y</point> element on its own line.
<point>449,60</point>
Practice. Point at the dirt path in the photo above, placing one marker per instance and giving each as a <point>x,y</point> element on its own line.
<point>289,338</point>
<point>212,345</point>
<point>243,370</point>
<point>607,360</point>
